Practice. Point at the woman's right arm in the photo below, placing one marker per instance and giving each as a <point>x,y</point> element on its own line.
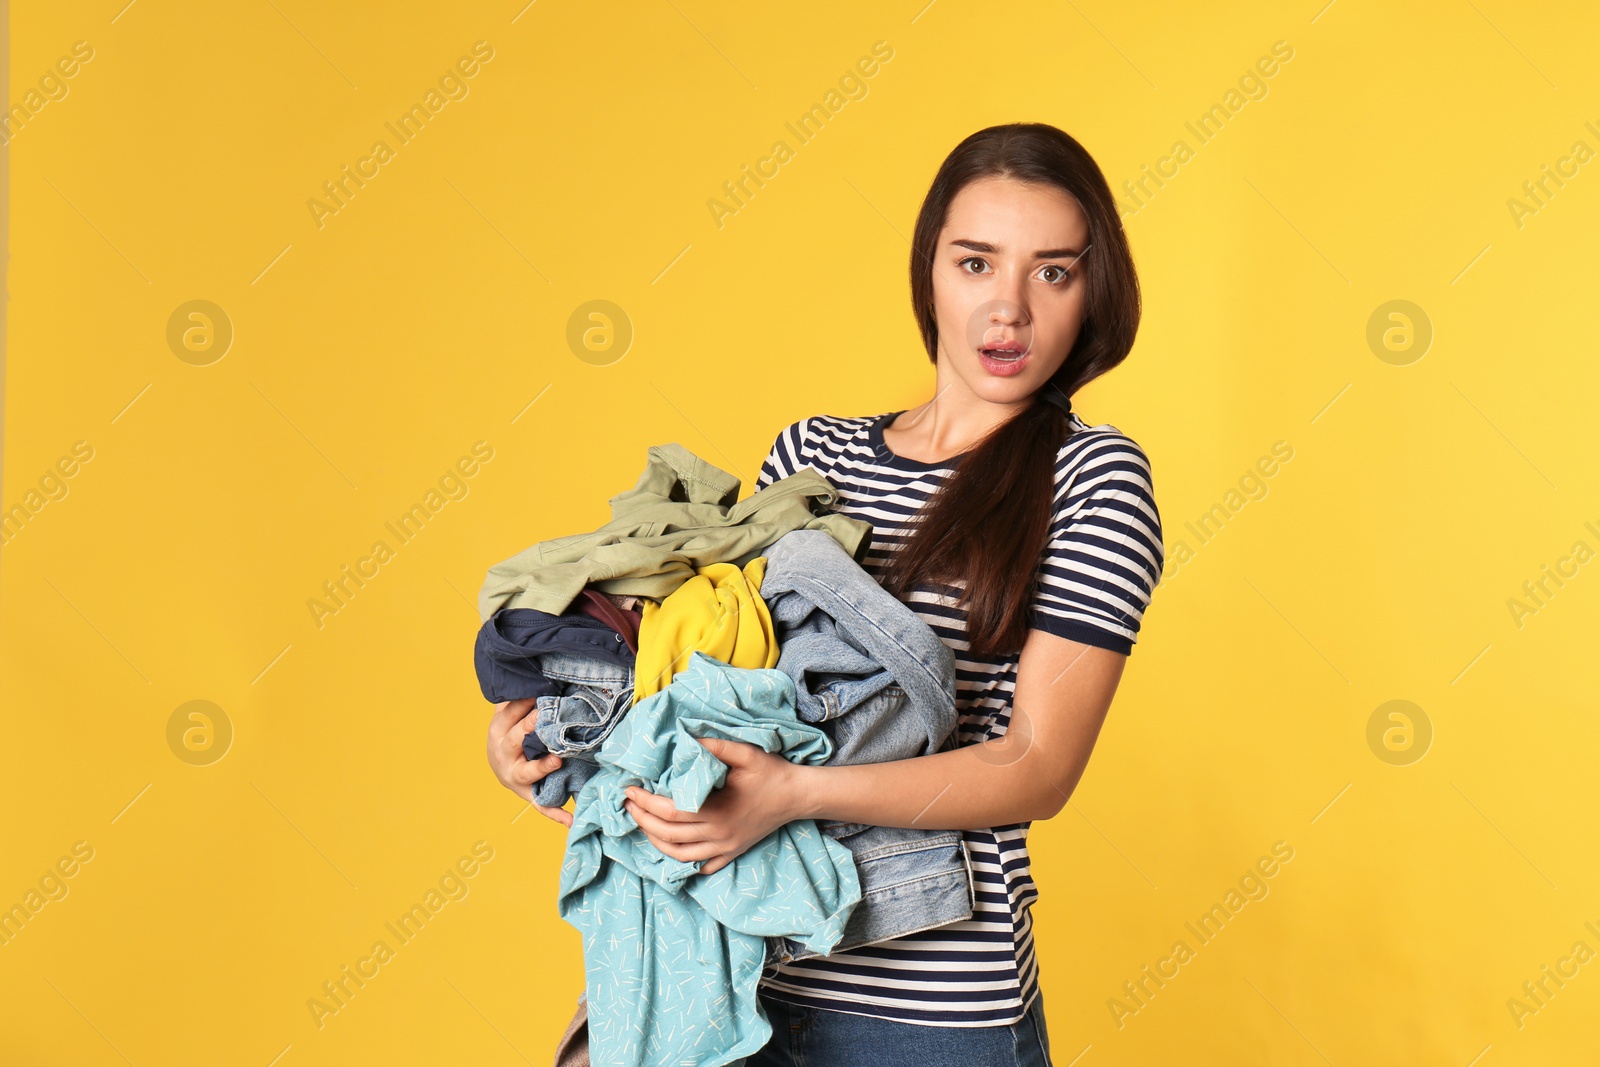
<point>511,723</point>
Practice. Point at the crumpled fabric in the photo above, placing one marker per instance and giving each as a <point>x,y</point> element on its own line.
<point>719,612</point>
<point>682,514</point>
<point>673,958</point>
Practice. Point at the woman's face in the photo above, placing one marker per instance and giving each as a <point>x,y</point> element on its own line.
<point>1008,287</point>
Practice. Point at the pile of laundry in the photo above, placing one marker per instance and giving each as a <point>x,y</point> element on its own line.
<point>694,614</point>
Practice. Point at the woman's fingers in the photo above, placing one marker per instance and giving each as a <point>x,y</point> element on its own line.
<point>510,724</point>
<point>663,830</point>
<point>527,772</point>
<point>659,806</point>
<point>685,841</point>
<point>510,714</point>
<point>681,835</point>
<point>506,729</point>
<point>511,739</point>
<point>687,852</point>
<point>560,815</point>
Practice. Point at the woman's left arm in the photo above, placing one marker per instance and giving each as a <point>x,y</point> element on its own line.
<point>1064,689</point>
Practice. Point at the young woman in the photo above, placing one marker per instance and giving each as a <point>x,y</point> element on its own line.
<point>1028,539</point>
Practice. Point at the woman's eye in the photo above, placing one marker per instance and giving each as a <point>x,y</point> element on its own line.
<point>1054,273</point>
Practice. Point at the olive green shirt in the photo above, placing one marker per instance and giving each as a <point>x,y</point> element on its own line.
<point>681,516</point>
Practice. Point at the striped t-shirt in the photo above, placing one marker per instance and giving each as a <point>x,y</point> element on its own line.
<point>1096,576</point>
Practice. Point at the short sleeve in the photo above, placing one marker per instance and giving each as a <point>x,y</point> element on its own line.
<point>1104,556</point>
<point>787,455</point>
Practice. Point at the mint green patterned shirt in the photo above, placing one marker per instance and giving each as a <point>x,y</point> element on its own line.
<point>673,958</point>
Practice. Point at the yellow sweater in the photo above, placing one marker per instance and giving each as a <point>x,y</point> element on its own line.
<point>718,611</point>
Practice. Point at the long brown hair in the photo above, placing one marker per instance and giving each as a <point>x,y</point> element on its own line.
<point>988,524</point>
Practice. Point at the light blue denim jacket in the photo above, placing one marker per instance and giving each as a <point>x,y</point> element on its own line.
<point>881,683</point>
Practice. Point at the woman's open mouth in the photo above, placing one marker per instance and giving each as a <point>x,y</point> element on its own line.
<point>1003,358</point>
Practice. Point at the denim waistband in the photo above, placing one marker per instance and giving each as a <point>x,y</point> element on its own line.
<point>578,668</point>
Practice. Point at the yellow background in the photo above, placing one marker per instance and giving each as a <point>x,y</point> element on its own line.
<point>432,311</point>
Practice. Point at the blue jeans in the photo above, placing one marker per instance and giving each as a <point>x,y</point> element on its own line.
<point>815,1037</point>
<point>575,724</point>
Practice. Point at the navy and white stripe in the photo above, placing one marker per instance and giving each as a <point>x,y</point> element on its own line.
<point>1096,577</point>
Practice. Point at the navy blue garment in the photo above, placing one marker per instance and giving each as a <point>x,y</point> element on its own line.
<point>510,643</point>
<point>581,690</point>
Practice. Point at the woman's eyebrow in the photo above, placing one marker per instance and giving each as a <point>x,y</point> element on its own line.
<point>984,246</point>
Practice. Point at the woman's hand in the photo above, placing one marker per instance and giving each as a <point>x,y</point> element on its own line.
<point>760,795</point>
<point>511,723</point>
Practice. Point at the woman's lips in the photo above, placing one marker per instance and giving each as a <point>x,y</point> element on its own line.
<point>1003,367</point>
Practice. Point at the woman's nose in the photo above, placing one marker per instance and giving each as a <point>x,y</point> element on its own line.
<point>1007,309</point>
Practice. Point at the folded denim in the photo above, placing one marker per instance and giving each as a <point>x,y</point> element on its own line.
<point>579,672</point>
<point>576,724</point>
<point>881,684</point>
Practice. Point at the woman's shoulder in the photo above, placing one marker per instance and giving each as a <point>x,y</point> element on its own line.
<point>812,441</point>
<point>1105,553</point>
<point>1096,447</point>
<point>813,423</point>
<point>828,434</point>
<point>1100,462</point>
